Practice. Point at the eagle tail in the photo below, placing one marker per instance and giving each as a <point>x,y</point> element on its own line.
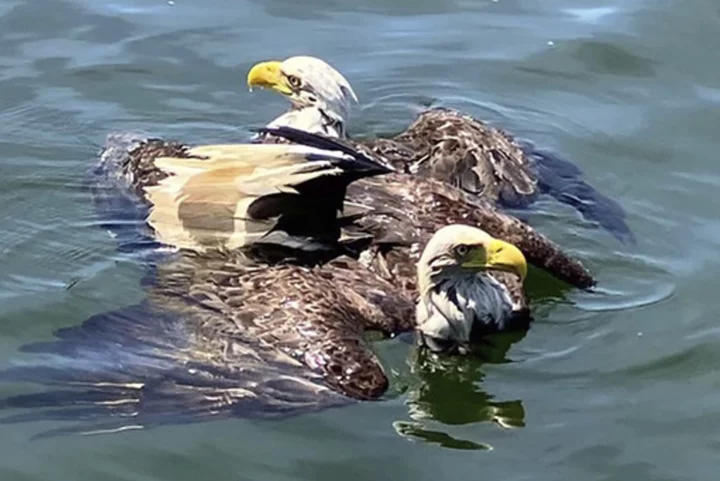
<point>562,180</point>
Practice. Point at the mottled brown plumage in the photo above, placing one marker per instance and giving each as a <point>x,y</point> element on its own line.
<point>217,336</point>
<point>408,210</point>
<point>440,143</point>
<point>464,152</point>
<point>222,334</point>
<point>314,315</point>
<point>402,210</point>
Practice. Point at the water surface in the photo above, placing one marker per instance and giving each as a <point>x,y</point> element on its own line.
<point>615,385</point>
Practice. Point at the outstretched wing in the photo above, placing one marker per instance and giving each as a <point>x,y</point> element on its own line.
<point>447,145</point>
<point>214,339</point>
<point>408,210</point>
<point>234,195</point>
<point>216,336</point>
<point>143,366</point>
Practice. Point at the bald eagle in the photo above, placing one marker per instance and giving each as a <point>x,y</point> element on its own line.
<point>285,255</point>
<point>441,143</point>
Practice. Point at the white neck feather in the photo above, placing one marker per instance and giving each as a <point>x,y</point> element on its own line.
<point>311,119</point>
<point>448,309</point>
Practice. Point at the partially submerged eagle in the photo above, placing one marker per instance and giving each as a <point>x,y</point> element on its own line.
<point>222,334</point>
<point>227,330</point>
<point>217,337</point>
<point>441,143</point>
<point>221,197</point>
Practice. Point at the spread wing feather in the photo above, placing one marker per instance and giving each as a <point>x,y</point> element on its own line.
<point>212,208</point>
<point>408,210</point>
<point>215,338</point>
<point>233,195</point>
<point>484,161</point>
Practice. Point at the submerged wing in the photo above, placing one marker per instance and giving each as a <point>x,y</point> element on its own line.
<point>215,338</point>
<point>563,180</point>
<point>144,366</point>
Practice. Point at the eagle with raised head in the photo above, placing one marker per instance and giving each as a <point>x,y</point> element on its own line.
<point>440,143</point>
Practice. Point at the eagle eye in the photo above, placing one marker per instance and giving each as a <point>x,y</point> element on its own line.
<point>294,81</point>
<point>462,250</point>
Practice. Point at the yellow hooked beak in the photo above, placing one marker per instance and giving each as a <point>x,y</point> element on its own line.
<point>269,75</point>
<point>499,256</point>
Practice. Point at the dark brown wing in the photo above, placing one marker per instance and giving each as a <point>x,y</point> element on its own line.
<point>315,315</point>
<point>463,152</point>
<point>216,338</point>
<point>408,210</point>
<point>400,156</point>
<point>140,166</point>
<point>488,162</point>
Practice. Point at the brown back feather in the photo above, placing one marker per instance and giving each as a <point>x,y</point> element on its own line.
<point>463,152</point>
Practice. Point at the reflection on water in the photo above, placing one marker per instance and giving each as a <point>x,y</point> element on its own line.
<point>447,390</point>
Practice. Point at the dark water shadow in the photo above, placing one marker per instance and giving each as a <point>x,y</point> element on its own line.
<point>448,392</point>
<point>544,289</point>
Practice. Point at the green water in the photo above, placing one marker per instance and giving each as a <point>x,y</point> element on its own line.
<point>620,384</point>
